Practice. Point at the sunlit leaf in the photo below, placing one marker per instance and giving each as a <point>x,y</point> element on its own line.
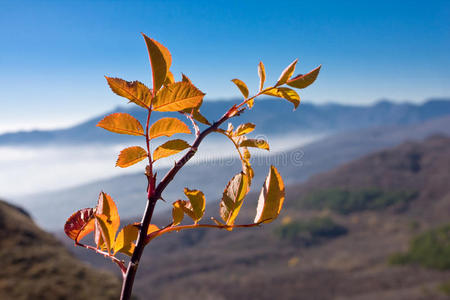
<point>125,238</point>
<point>262,75</point>
<point>303,81</point>
<point>108,208</point>
<point>195,112</point>
<point>134,91</point>
<point>169,79</point>
<point>233,197</point>
<point>167,127</point>
<point>242,87</point>
<point>255,143</point>
<point>79,224</point>
<point>170,148</point>
<point>178,96</point>
<point>122,123</point>
<point>130,156</point>
<point>106,230</point>
<point>285,93</point>
<point>185,78</point>
<point>160,60</point>
<point>271,198</point>
<point>196,203</point>
<point>287,73</point>
<point>152,228</point>
<point>245,128</point>
<point>177,212</point>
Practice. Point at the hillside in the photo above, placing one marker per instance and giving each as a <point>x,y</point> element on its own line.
<point>296,165</point>
<point>317,249</point>
<point>309,118</point>
<point>34,265</point>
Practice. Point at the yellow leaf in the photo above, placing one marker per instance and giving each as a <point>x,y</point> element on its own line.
<point>108,208</point>
<point>271,198</point>
<point>256,143</point>
<point>160,60</point>
<point>262,75</point>
<point>79,224</point>
<point>152,228</point>
<point>170,148</point>
<point>178,96</point>
<point>233,197</point>
<point>169,79</point>
<point>122,123</point>
<point>130,156</point>
<point>197,203</point>
<point>285,93</point>
<point>107,232</point>
<point>287,73</point>
<point>134,91</point>
<point>302,81</point>
<point>245,128</point>
<point>177,212</point>
<point>185,78</point>
<point>167,127</point>
<point>242,87</point>
<point>125,238</point>
<point>195,113</point>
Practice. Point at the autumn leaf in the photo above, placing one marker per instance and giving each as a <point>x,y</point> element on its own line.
<point>262,75</point>
<point>196,203</point>
<point>185,78</point>
<point>242,87</point>
<point>271,198</point>
<point>170,148</point>
<point>195,113</point>
<point>285,93</point>
<point>244,129</point>
<point>286,74</point>
<point>122,123</point>
<point>79,224</point>
<point>255,143</point>
<point>169,79</point>
<point>177,212</point>
<point>303,81</point>
<point>106,230</point>
<point>125,238</point>
<point>130,156</point>
<point>178,96</point>
<point>108,208</point>
<point>160,60</point>
<point>134,91</point>
<point>167,127</point>
<point>233,197</point>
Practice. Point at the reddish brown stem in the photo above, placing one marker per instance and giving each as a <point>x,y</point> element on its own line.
<point>106,254</point>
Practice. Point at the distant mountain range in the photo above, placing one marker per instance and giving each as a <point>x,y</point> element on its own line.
<point>295,165</point>
<point>266,114</point>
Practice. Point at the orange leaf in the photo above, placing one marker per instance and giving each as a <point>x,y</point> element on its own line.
<point>285,93</point>
<point>78,224</point>
<point>177,212</point>
<point>271,198</point>
<point>130,156</point>
<point>104,227</point>
<point>167,127</point>
<point>122,123</point>
<point>262,75</point>
<point>233,197</point>
<point>125,238</point>
<point>242,87</point>
<point>134,91</point>
<point>287,73</point>
<point>245,128</point>
<point>107,207</point>
<point>256,143</point>
<point>170,148</point>
<point>160,60</point>
<point>178,96</point>
<point>303,81</point>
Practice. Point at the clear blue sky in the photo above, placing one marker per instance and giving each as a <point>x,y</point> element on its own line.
<point>53,54</point>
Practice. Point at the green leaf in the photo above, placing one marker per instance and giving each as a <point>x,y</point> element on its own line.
<point>122,123</point>
<point>242,87</point>
<point>285,93</point>
<point>178,96</point>
<point>160,60</point>
<point>303,81</point>
<point>244,129</point>
<point>167,127</point>
<point>262,75</point>
<point>256,143</point>
<point>170,148</point>
<point>177,212</point>
<point>134,91</point>
<point>196,203</point>
<point>125,238</point>
<point>271,198</point>
<point>130,156</point>
<point>287,73</point>
<point>233,197</point>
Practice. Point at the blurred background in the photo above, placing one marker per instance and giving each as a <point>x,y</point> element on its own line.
<point>365,157</point>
